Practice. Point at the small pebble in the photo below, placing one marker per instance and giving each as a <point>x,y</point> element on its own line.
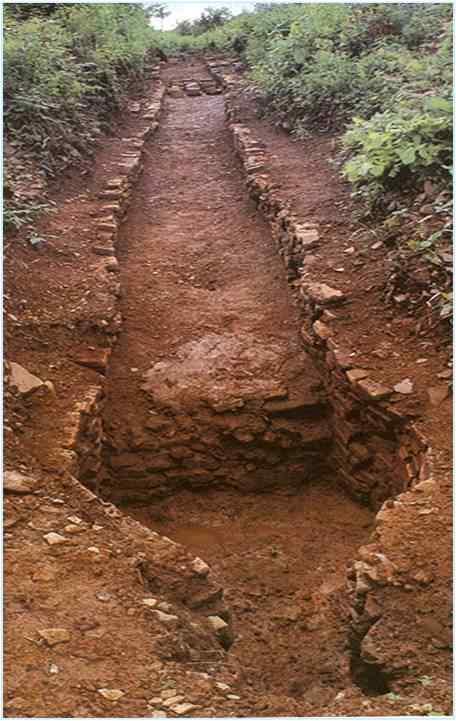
<point>405,387</point>
<point>183,709</point>
<point>112,694</point>
<point>54,539</point>
<point>222,686</point>
<point>72,529</point>
<point>150,602</point>
<point>172,701</point>
<point>52,636</point>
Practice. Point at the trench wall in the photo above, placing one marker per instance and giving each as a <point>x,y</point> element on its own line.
<point>87,437</point>
<point>376,451</point>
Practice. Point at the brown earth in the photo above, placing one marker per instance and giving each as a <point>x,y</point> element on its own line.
<point>201,288</point>
<point>209,324</point>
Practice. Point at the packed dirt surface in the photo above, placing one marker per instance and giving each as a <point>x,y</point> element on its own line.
<point>171,374</point>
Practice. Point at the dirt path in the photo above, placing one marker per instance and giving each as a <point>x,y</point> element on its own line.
<point>208,324</point>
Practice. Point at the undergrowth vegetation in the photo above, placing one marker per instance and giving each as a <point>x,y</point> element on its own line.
<point>66,68</point>
<point>380,72</point>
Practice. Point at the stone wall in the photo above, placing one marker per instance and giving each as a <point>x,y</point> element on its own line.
<point>376,451</point>
<point>378,455</point>
<point>87,435</point>
<point>261,445</point>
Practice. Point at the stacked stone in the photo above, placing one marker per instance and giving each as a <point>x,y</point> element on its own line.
<point>85,433</point>
<point>193,87</point>
<point>377,451</point>
<point>252,448</point>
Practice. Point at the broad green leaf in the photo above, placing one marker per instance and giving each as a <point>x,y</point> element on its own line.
<point>407,155</point>
<point>436,103</point>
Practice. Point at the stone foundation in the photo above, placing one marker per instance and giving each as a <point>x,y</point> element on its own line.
<point>376,451</point>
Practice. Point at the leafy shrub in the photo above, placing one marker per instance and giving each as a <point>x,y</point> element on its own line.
<point>388,64</point>
<point>66,67</point>
<point>399,147</point>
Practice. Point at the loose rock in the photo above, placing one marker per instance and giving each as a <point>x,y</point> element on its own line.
<point>183,709</point>
<point>112,694</point>
<point>24,381</point>
<point>322,330</point>
<point>15,482</point>
<point>54,539</point>
<point>200,567</point>
<point>374,391</point>
<point>150,602</point>
<point>222,630</point>
<point>172,701</point>
<point>356,374</point>
<point>322,293</point>
<point>167,619</point>
<point>53,636</point>
<point>405,387</point>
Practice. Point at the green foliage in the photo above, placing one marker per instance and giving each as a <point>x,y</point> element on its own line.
<point>382,72</point>
<point>66,66</point>
<point>401,146</point>
<point>157,10</point>
<point>210,19</point>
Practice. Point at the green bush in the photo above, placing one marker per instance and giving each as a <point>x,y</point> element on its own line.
<point>319,65</point>
<point>66,66</point>
<point>399,147</point>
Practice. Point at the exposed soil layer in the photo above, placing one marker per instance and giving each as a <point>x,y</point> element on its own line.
<point>282,557</point>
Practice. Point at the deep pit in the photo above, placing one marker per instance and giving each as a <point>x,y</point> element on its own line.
<point>282,559</point>
<point>219,429</point>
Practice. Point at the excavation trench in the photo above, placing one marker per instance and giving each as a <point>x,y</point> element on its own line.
<point>217,430</point>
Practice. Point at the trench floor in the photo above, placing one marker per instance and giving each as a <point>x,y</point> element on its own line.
<point>281,557</point>
<point>208,320</point>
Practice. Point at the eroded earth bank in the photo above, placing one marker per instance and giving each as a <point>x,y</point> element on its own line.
<point>202,503</point>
